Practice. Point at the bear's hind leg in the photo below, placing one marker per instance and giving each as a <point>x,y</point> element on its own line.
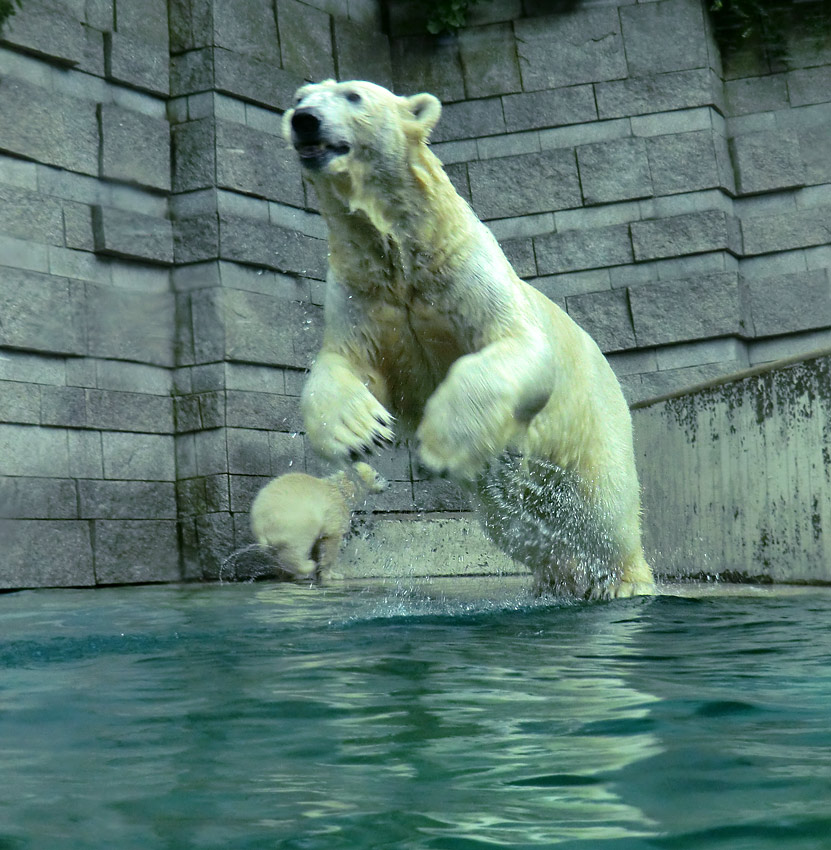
<point>636,579</point>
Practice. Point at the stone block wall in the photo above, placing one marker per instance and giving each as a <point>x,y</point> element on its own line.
<point>162,261</point>
<point>674,202</point>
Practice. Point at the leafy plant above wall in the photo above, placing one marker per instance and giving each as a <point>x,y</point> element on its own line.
<point>769,21</point>
<point>447,15</point>
<point>7,10</point>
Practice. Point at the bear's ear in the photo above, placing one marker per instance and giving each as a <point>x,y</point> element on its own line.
<point>425,109</point>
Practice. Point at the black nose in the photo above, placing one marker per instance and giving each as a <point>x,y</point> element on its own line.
<point>305,124</point>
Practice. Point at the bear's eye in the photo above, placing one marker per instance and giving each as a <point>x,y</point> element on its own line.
<point>353,97</point>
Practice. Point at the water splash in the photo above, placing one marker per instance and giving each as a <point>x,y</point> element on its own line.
<point>540,514</point>
<point>249,564</point>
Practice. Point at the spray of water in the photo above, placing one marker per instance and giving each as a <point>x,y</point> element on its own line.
<point>250,563</point>
<point>541,515</point>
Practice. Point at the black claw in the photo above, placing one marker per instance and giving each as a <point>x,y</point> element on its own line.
<point>353,455</point>
<point>366,450</point>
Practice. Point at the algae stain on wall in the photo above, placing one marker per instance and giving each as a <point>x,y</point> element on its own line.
<point>737,475</point>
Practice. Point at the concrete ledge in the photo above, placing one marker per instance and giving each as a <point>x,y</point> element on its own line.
<point>736,474</point>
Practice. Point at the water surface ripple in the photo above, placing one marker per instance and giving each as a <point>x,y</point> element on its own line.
<point>275,716</point>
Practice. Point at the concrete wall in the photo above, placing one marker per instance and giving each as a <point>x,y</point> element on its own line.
<point>737,475</point>
<point>161,261</point>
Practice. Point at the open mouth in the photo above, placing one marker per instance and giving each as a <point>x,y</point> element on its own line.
<point>319,153</point>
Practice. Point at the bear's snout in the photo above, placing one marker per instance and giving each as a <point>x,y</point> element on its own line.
<point>314,140</point>
<point>306,125</point>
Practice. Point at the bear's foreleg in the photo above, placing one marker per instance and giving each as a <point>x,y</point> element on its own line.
<point>343,418</point>
<point>485,401</point>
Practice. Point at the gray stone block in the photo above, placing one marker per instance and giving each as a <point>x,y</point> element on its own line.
<point>32,451</point>
<point>809,85</point>
<point>63,406</point>
<point>146,20</point>
<point>470,119</point>
<point>591,248</point>
<point>256,163</point>
<point>191,73</point>
<point>196,239</point>
<point>248,451</point>
<point>790,302</point>
<point>120,233</point>
<point>667,36</point>
<point>262,244</point>
<point>605,316</point>
<point>255,80</point>
<point>693,233</point>
<point>138,457</point>
<point>263,410</point>
<point>126,499</point>
<point>683,162</point>
<point>190,25</point>
<point>30,216</point>
<point>305,40</point>
<point>767,161</point>
<point>815,147</point>
<point>617,170</point>
<point>20,402</point>
<point>136,551</point>
<point>552,108</point>
<point>99,14</point>
<point>244,489</point>
<point>589,49</point>
<point>362,54</point>
<point>522,185</point>
<point>693,308</point>
<point>194,155</point>
<point>756,94</point>
<point>42,313</point>
<point>45,32</point>
<point>51,128</point>
<point>46,553</point>
<point>137,63</point>
<point>489,60</point>
<point>658,93</point>
<point>215,541</point>
<point>458,177</point>
<point>520,254</point>
<point>422,63</point>
<point>784,232</point>
<point>126,325</point>
<point>108,410</point>
<point>286,452</point>
<point>249,29</point>
<point>240,325</point>
<point>134,147</point>
<point>558,287</point>
<point>37,498</point>
<point>86,459</point>
<point>77,223</point>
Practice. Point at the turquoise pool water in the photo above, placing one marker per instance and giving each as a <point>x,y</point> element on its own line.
<point>277,716</point>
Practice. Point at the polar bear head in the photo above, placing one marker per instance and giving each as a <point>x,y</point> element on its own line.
<point>334,126</point>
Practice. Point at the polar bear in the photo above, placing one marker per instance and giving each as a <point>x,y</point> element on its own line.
<point>427,328</point>
<point>302,520</point>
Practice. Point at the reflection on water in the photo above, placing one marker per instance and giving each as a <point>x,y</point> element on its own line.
<point>256,716</point>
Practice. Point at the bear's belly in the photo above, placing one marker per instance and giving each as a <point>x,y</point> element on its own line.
<point>416,346</point>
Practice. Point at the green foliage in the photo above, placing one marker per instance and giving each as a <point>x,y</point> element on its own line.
<point>447,15</point>
<point>7,10</point>
<point>768,21</point>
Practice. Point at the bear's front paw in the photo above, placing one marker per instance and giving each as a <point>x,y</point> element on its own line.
<point>458,440</point>
<point>347,425</point>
